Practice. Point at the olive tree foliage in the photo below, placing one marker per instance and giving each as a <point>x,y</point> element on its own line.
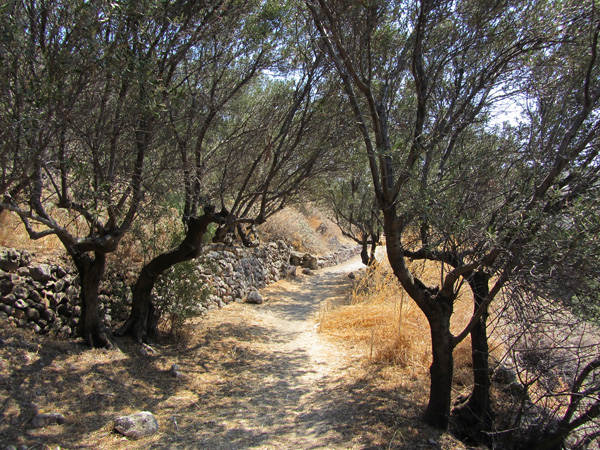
<point>83,103</point>
<point>418,76</point>
<point>218,66</point>
<point>552,360</point>
<point>251,131</point>
<point>26,125</point>
<point>556,266</point>
<point>295,135</point>
<point>551,327</point>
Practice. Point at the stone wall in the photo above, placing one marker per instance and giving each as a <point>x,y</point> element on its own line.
<point>233,272</point>
<point>45,297</point>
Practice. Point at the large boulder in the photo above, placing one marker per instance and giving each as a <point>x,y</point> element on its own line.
<point>137,425</point>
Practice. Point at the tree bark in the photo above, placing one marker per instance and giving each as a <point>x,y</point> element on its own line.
<point>441,371</point>
<point>375,240</point>
<point>475,416</point>
<point>91,271</point>
<point>364,252</point>
<point>553,442</point>
<point>140,324</point>
<point>438,310</point>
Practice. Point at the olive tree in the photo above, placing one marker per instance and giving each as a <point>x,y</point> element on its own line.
<point>95,75</point>
<point>251,131</point>
<point>421,78</point>
<point>418,75</point>
<point>355,211</point>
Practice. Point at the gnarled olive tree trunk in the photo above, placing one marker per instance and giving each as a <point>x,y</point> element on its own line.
<point>475,416</point>
<point>438,309</point>
<point>91,271</point>
<point>441,371</point>
<point>367,256</point>
<point>140,323</point>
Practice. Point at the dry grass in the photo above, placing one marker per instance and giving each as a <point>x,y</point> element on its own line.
<point>138,246</point>
<point>307,229</point>
<point>14,235</point>
<point>384,321</point>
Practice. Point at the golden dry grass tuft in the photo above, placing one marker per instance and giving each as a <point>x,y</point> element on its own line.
<point>381,319</point>
<point>14,235</point>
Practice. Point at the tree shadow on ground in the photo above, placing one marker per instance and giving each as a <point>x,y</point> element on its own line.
<point>244,385</point>
<point>347,415</point>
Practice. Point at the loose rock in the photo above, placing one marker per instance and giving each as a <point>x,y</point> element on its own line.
<point>32,314</point>
<point>9,259</point>
<point>5,286</point>
<point>312,263</point>
<point>47,419</point>
<point>137,425</point>
<point>21,291</point>
<point>254,297</point>
<point>21,304</point>
<point>41,273</point>
<point>176,371</point>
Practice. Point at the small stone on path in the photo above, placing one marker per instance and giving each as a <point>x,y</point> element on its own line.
<point>137,425</point>
<point>255,298</point>
<point>47,419</point>
<point>176,371</point>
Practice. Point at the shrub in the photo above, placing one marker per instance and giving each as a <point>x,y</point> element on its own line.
<point>180,295</point>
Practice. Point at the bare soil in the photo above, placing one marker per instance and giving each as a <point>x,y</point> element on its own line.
<point>253,377</point>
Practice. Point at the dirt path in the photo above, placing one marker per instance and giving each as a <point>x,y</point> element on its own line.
<point>253,377</point>
<point>284,379</point>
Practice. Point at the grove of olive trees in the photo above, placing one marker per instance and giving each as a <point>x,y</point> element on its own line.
<point>234,109</point>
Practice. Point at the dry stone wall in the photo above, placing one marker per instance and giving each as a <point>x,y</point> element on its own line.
<point>233,272</point>
<point>45,297</point>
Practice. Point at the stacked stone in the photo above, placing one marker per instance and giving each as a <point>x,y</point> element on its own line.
<point>43,297</point>
<point>234,272</point>
<point>308,261</point>
<point>339,257</point>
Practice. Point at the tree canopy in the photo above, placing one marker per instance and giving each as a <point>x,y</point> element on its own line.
<point>231,109</point>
